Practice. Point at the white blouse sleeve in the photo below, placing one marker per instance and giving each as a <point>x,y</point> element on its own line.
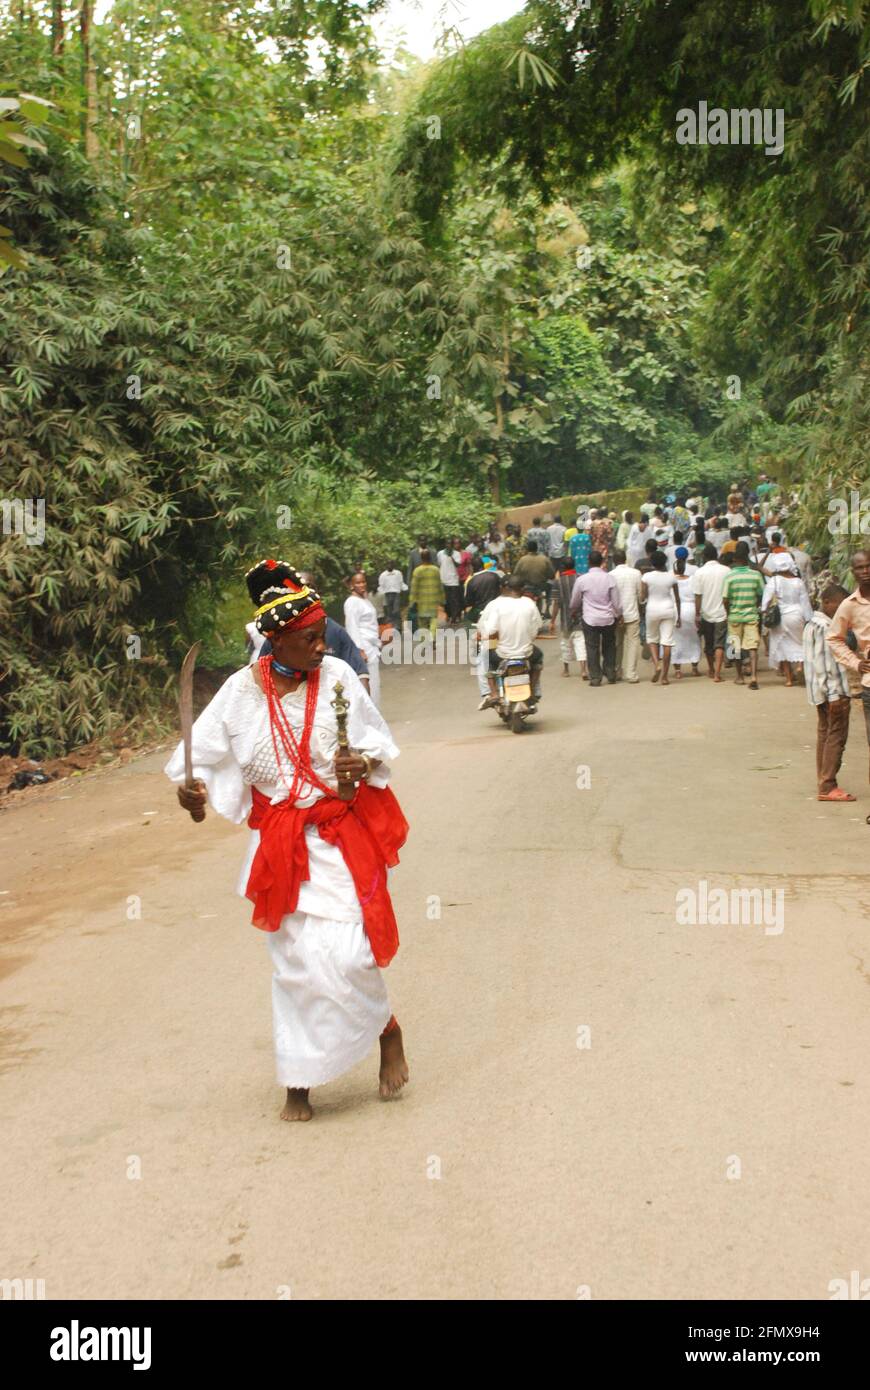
<point>214,762</point>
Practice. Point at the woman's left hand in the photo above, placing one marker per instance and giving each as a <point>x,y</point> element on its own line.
<point>350,767</point>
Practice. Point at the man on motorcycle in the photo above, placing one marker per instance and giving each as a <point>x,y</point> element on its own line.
<point>514,620</point>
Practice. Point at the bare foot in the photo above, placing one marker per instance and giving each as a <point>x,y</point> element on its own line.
<point>296,1106</point>
<point>394,1069</point>
<point>665,680</point>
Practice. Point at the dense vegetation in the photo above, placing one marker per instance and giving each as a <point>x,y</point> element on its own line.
<point>786,275</point>
<point>264,292</point>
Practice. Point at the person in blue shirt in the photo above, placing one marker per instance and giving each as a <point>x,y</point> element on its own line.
<point>579,547</point>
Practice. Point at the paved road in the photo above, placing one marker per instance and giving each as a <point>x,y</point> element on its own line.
<point>518,1164</point>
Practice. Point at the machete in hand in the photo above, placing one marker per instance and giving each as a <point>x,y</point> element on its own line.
<point>185,709</point>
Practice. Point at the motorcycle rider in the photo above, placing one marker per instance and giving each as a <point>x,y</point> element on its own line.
<point>514,620</point>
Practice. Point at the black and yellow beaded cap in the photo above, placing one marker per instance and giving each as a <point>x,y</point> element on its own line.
<point>280,598</point>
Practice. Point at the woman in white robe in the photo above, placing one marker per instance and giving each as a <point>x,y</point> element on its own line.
<point>329,999</point>
<point>361,623</point>
<point>687,640</point>
<point>786,638</point>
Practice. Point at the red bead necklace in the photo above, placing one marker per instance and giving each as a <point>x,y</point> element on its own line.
<point>296,751</point>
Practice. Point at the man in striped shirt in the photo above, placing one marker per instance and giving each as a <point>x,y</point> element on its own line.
<point>851,623</point>
<point>741,596</point>
<point>828,691</point>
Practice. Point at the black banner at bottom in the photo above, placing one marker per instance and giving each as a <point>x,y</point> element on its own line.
<point>154,1337</point>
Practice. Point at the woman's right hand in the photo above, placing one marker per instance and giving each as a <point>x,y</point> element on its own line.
<point>193,799</point>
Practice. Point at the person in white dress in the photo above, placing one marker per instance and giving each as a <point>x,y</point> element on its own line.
<point>659,592</point>
<point>361,623</point>
<point>687,641</point>
<point>638,536</point>
<point>786,639</point>
<point>324,830</point>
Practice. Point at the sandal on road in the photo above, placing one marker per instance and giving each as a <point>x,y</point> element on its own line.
<point>753,685</point>
<point>836,795</point>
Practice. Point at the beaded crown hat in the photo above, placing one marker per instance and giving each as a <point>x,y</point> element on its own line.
<point>280,598</point>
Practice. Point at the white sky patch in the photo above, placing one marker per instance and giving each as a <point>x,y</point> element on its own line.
<point>419,24</point>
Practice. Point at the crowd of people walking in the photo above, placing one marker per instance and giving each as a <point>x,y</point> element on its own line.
<point>685,584</point>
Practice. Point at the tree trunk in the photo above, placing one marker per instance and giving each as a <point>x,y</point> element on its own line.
<point>495,469</point>
<point>90,81</point>
<point>57,29</point>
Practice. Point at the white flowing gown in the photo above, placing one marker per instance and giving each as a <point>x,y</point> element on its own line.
<point>328,996</point>
<point>687,641</point>
<point>786,639</point>
<point>361,623</point>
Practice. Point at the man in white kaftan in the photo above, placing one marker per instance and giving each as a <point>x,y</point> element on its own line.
<point>329,999</point>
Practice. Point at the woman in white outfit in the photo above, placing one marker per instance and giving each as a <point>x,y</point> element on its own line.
<point>786,638</point>
<point>687,639</point>
<point>361,622</point>
<point>659,591</point>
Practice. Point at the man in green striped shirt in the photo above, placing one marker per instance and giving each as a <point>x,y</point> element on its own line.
<point>742,598</point>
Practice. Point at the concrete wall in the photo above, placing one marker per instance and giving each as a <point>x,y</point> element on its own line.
<point>526,515</point>
<point>630,498</point>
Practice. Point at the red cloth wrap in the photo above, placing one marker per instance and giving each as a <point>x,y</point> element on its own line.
<point>305,618</point>
<point>369,831</point>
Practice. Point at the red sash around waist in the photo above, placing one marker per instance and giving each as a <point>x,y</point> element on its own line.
<point>369,831</point>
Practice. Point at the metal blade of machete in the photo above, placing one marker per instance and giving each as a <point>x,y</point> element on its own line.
<point>185,709</point>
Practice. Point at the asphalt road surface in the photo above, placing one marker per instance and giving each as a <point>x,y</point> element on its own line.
<point>605,1101</point>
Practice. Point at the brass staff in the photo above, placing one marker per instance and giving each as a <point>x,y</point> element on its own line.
<point>346,789</point>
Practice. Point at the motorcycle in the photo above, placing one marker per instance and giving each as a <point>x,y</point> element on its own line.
<point>515,699</point>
